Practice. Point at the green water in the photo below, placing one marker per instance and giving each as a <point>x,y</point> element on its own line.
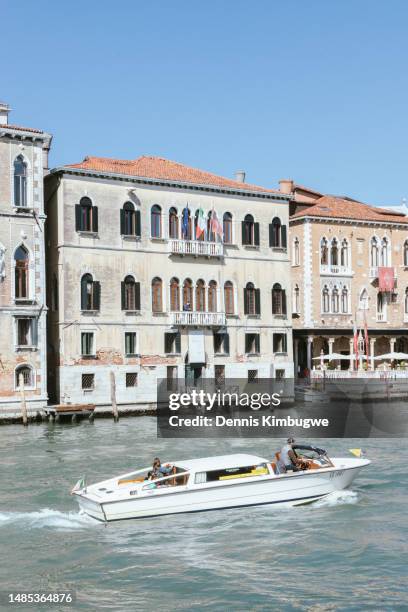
<point>348,552</point>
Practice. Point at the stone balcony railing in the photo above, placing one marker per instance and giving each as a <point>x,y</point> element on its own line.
<point>197,248</point>
<point>405,317</point>
<point>331,269</point>
<point>193,317</point>
<point>374,272</point>
<point>381,317</point>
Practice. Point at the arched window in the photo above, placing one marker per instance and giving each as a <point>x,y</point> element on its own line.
<point>212,296</point>
<point>130,294</point>
<point>325,299</point>
<point>296,299</point>
<point>363,300</point>
<point>129,220</point>
<point>200,296</point>
<point>344,301</point>
<point>229,298</point>
<point>21,263</point>
<point>296,252</point>
<point>384,252</point>
<point>278,300</point>
<point>173,224</point>
<point>174,295</point>
<point>227,228</point>
<point>344,253</point>
<point>335,300</point>
<point>324,252</point>
<point>406,301</point>
<point>187,295</point>
<point>24,373</point>
<point>406,253</point>
<point>157,295</point>
<point>20,182</point>
<point>155,221</point>
<point>374,253</point>
<point>248,231</point>
<point>90,293</point>
<point>86,216</point>
<point>277,234</point>
<point>250,299</point>
<point>334,252</point>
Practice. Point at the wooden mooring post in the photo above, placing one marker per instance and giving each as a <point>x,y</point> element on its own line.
<point>113,397</point>
<point>23,400</point>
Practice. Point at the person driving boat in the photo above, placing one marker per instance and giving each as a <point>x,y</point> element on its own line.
<point>289,458</point>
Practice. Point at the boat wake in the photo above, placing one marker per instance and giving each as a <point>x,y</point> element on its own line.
<point>337,498</point>
<point>47,518</point>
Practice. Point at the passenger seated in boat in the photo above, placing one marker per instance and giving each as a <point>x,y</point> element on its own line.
<point>163,470</point>
<point>288,457</point>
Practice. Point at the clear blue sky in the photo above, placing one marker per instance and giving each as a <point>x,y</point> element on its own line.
<point>308,89</point>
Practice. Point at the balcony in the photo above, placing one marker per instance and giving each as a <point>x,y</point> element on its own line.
<point>374,272</point>
<point>336,270</point>
<point>203,319</point>
<point>196,248</point>
<point>405,317</point>
<point>381,317</point>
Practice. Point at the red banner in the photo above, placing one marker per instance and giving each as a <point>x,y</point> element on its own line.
<point>386,279</point>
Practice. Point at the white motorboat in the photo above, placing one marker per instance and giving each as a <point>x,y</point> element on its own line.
<point>215,483</point>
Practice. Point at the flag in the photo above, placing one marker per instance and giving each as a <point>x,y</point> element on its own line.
<point>216,226</point>
<point>385,279</point>
<point>355,342</point>
<point>200,227</point>
<point>184,222</point>
<point>78,486</point>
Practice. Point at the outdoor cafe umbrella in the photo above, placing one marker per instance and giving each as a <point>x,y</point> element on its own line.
<point>392,355</point>
<point>339,356</point>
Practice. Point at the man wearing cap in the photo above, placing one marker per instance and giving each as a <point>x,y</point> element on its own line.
<point>288,457</point>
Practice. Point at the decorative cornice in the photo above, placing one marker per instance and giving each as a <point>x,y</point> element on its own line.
<point>339,220</point>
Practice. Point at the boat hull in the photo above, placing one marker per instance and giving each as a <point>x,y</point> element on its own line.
<point>296,488</point>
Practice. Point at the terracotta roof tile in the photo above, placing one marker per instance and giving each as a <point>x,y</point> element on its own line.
<point>160,168</point>
<point>21,128</point>
<point>342,208</point>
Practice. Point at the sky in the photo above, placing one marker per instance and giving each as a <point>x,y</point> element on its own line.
<point>310,90</point>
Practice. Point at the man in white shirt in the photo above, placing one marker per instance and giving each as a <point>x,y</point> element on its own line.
<point>288,457</point>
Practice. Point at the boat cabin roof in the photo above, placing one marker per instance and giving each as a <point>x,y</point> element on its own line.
<point>222,462</point>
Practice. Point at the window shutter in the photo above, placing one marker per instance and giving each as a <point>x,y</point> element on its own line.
<point>271,236</point>
<point>226,344</point>
<point>83,295</point>
<point>122,222</point>
<point>95,219</point>
<point>137,223</point>
<point>122,286</point>
<point>257,344</point>
<point>256,234</point>
<point>137,296</point>
<point>77,218</point>
<point>283,302</point>
<point>247,341</point>
<point>257,301</point>
<point>284,343</point>
<point>284,236</point>
<point>178,342</point>
<point>245,302</point>
<point>243,232</point>
<point>97,295</point>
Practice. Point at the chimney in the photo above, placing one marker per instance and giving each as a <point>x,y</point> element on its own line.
<point>286,186</point>
<point>240,176</point>
<point>4,111</point>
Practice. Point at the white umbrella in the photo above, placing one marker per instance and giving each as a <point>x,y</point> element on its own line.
<point>392,355</point>
<point>339,356</point>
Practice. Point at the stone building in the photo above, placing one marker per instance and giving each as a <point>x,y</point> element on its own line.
<point>23,312</point>
<point>340,250</point>
<point>159,270</point>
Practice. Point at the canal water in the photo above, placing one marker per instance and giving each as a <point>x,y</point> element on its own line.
<point>348,552</point>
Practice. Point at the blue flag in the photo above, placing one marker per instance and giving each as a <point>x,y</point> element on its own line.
<point>184,222</point>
